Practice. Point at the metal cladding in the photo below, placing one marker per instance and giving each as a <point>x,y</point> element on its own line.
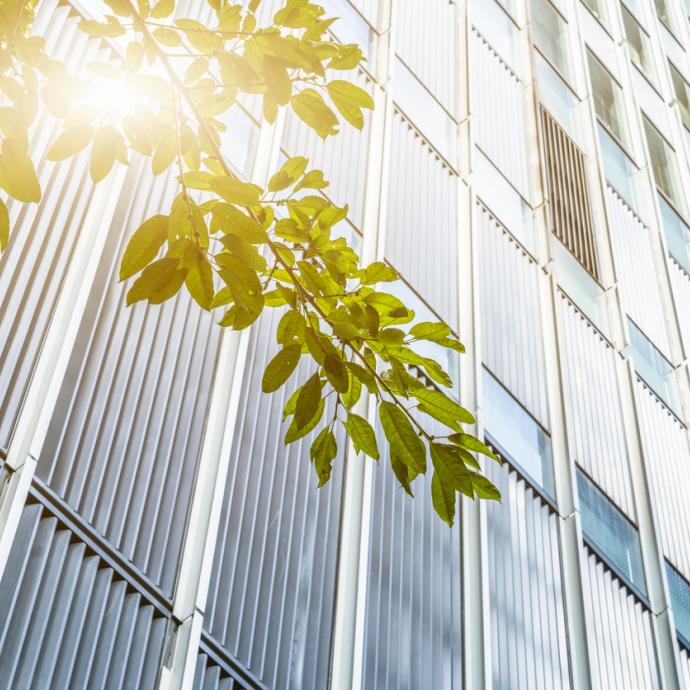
<point>157,534</point>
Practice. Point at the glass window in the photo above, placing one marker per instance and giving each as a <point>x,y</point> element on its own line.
<point>549,30</point>
<point>351,27</point>
<point>620,171</point>
<point>501,198</point>
<point>610,533</point>
<point>491,21</point>
<point>581,287</point>
<point>597,8</point>
<point>638,44</point>
<point>559,100</point>
<point>608,98</point>
<point>424,111</point>
<point>682,92</point>
<point>677,234</point>
<point>516,435</point>
<point>679,590</point>
<point>448,359</point>
<point>663,13</point>
<point>664,166</point>
<point>653,368</point>
<point>239,141</point>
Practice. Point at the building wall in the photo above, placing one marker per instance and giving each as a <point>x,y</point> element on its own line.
<point>155,533</point>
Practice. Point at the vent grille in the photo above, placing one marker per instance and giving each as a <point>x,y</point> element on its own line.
<point>570,214</point>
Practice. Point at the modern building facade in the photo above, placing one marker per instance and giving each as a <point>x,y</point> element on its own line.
<point>526,170</point>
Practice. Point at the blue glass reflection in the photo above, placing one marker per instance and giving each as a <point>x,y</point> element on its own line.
<point>611,533</point>
<point>516,435</point>
<point>677,234</point>
<point>679,589</point>
<point>618,168</point>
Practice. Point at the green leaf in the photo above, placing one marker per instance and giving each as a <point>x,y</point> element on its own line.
<point>144,245</point>
<point>336,373</point>
<point>441,407</point>
<point>121,7</point>
<point>231,220</point>
<point>162,9</point>
<point>471,443</point>
<point>236,192</point>
<point>362,435</point>
<point>349,56</point>
<point>450,468</point>
<point>364,376</point>
<point>378,272</point>
<point>17,173</point>
<point>294,432</point>
<point>428,330</point>
<point>443,500</point>
<point>167,37</point>
<point>349,100</point>
<point>106,146</point>
<point>199,278</point>
<point>71,141</point>
<point>308,401</point>
<point>403,440</point>
<point>402,473</point>
<point>280,368</point>
<point>313,111</point>
<point>485,489</point>
<point>322,453</point>
<point>4,226</point>
<point>354,391</point>
<point>159,281</point>
<point>312,180</point>
<point>290,327</point>
<point>289,173</point>
<point>98,30</point>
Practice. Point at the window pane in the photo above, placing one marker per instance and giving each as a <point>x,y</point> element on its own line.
<point>610,532</point>
<point>559,100</point>
<point>618,168</point>
<point>549,31</point>
<point>682,91</point>
<point>653,367</point>
<point>424,111</point>
<point>351,27</point>
<point>597,8</point>
<point>663,160</point>
<point>662,13</point>
<point>677,234</point>
<point>679,589</point>
<point>638,45</point>
<point>608,99</point>
<point>516,435</point>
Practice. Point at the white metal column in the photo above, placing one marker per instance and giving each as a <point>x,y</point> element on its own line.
<point>201,531</point>
<point>49,371</point>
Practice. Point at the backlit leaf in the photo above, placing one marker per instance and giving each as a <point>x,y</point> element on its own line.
<point>144,245</point>
<point>69,142</point>
<point>362,435</point>
<point>322,453</point>
<point>17,173</point>
<point>310,107</point>
<point>403,439</point>
<point>105,149</point>
<point>280,368</point>
<point>443,500</point>
<point>349,100</point>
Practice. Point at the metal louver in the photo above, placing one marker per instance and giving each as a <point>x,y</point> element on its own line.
<point>570,213</point>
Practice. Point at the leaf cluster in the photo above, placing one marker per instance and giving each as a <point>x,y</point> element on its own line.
<point>238,248</point>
